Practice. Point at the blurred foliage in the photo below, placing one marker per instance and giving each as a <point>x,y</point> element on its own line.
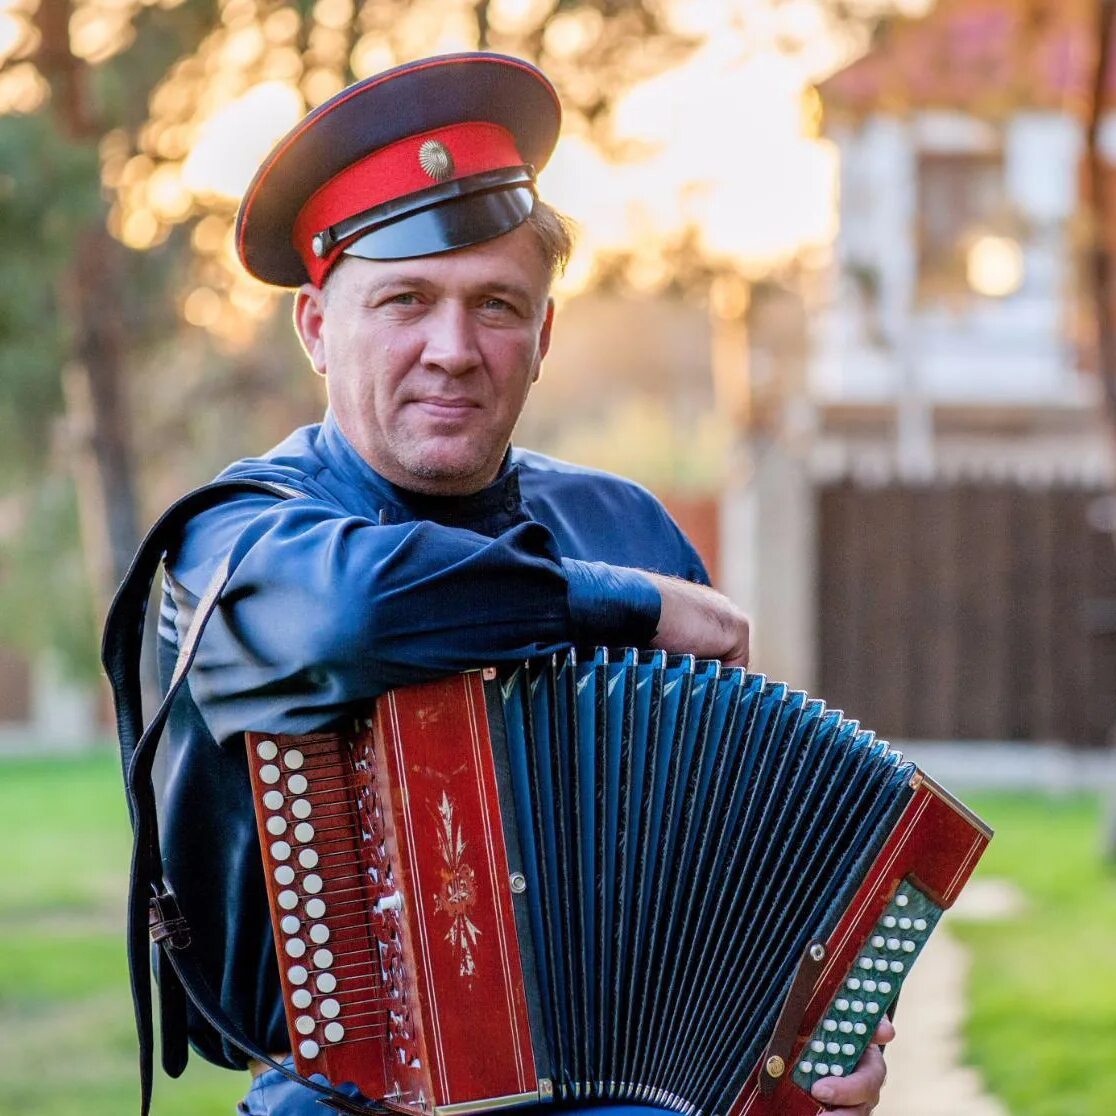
<point>44,198</point>
<point>45,602</point>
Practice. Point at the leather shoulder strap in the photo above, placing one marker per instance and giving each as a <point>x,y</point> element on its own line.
<point>151,906</point>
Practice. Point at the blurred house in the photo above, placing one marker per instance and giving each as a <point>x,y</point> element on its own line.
<point>951,463</point>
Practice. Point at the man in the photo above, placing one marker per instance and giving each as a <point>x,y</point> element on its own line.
<point>417,543</point>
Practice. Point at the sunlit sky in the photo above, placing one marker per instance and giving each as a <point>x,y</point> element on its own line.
<point>722,148</point>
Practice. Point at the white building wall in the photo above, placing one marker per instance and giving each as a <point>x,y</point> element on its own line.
<point>875,344</point>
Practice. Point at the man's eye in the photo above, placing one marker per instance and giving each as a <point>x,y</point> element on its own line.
<point>499,304</point>
<point>404,298</point>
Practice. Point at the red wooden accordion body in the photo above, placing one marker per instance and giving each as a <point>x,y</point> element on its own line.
<point>629,878</point>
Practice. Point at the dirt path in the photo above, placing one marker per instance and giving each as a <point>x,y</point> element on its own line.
<point>925,1074</point>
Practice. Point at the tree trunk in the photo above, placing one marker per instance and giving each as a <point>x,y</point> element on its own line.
<point>91,294</point>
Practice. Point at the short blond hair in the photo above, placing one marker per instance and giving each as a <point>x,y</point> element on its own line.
<point>555,232</point>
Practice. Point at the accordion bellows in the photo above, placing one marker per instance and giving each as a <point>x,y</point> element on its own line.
<point>623,878</point>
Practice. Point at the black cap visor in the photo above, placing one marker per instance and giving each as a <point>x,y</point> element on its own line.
<point>456,223</point>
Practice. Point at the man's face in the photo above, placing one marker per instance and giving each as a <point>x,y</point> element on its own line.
<point>428,361</point>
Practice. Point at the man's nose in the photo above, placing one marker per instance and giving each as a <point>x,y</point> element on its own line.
<point>451,339</point>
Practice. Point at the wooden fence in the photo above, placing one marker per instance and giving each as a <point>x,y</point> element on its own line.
<point>969,610</point>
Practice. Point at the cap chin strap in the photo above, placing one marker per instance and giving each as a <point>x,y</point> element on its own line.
<point>360,224</point>
<point>152,907</point>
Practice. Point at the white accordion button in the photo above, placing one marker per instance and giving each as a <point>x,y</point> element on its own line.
<point>821,1069</point>
<point>865,962</point>
<point>905,923</point>
<point>892,943</point>
<point>860,1028</point>
<point>919,924</point>
<point>301,808</point>
<point>852,983</point>
<point>305,1024</point>
<point>901,900</point>
<point>885,988</point>
<point>817,1046</point>
<point>319,933</point>
<point>312,884</point>
<point>334,1032</point>
<point>269,773</point>
<point>276,825</point>
<point>897,966</point>
<point>841,1005</point>
<point>290,924</point>
<point>273,800</point>
<point>837,1071</point>
<point>878,942</point>
<point>309,1049</point>
<point>288,900</point>
<point>908,947</point>
<point>284,875</point>
<point>829,1025</point>
<point>881,965</point>
<point>889,921</point>
<point>833,1048</point>
<point>280,850</point>
<point>322,959</point>
<point>873,1008</point>
<point>858,1006</point>
<point>301,998</point>
<point>331,1009</point>
<point>848,1049</point>
<point>869,986</point>
<point>297,974</point>
<point>315,908</point>
<point>293,759</point>
<point>806,1067</point>
<point>297,784</point>
<point>295,947</point>
<point>267,749</point>
<point>326,982</point>
<point>304,832</point>
<point>308,858</point>
<point>845,1027</point>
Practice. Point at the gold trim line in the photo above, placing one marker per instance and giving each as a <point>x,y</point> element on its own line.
<point>463,1108</point>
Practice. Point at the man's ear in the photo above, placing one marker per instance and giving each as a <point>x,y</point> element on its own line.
<point>544,334</point>
<point>309,320</point>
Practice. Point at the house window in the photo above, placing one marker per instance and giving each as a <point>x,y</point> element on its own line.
<point>961,199</point>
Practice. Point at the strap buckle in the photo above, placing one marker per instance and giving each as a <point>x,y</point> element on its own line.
<point>165,923</point>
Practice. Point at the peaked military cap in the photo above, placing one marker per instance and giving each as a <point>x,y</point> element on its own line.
<point>428,157</point>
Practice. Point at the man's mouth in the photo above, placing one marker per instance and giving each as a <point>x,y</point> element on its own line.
<point>443,407</point>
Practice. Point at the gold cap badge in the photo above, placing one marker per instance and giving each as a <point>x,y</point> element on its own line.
<point>435,159</point>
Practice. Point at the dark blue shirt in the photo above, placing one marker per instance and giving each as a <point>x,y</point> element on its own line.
<point>353,588</point>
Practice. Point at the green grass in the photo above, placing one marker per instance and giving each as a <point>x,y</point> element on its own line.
<point>1042,1024</point>
<point>67,1043</point>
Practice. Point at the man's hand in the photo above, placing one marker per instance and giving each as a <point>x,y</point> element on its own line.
<point>700,621</point>
<point>859,1093</point>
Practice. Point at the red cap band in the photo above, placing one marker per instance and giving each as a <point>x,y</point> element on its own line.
<point>393,172</point>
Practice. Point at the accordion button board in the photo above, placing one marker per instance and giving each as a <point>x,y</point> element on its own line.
<point>591,879</point>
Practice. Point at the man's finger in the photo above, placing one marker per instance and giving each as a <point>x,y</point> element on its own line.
<point>885,1032</point>
<point>858,1093</point>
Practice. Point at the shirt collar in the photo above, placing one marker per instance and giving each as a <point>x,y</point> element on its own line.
<point>489,511</point>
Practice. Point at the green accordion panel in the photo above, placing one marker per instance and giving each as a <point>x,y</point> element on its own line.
<point>870,988</point>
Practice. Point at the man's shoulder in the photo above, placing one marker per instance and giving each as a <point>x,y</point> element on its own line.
<point>293,466</point>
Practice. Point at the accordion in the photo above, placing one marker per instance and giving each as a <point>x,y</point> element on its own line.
<point>624,877</point>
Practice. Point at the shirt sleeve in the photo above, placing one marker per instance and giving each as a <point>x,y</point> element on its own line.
<point>323,608</point>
